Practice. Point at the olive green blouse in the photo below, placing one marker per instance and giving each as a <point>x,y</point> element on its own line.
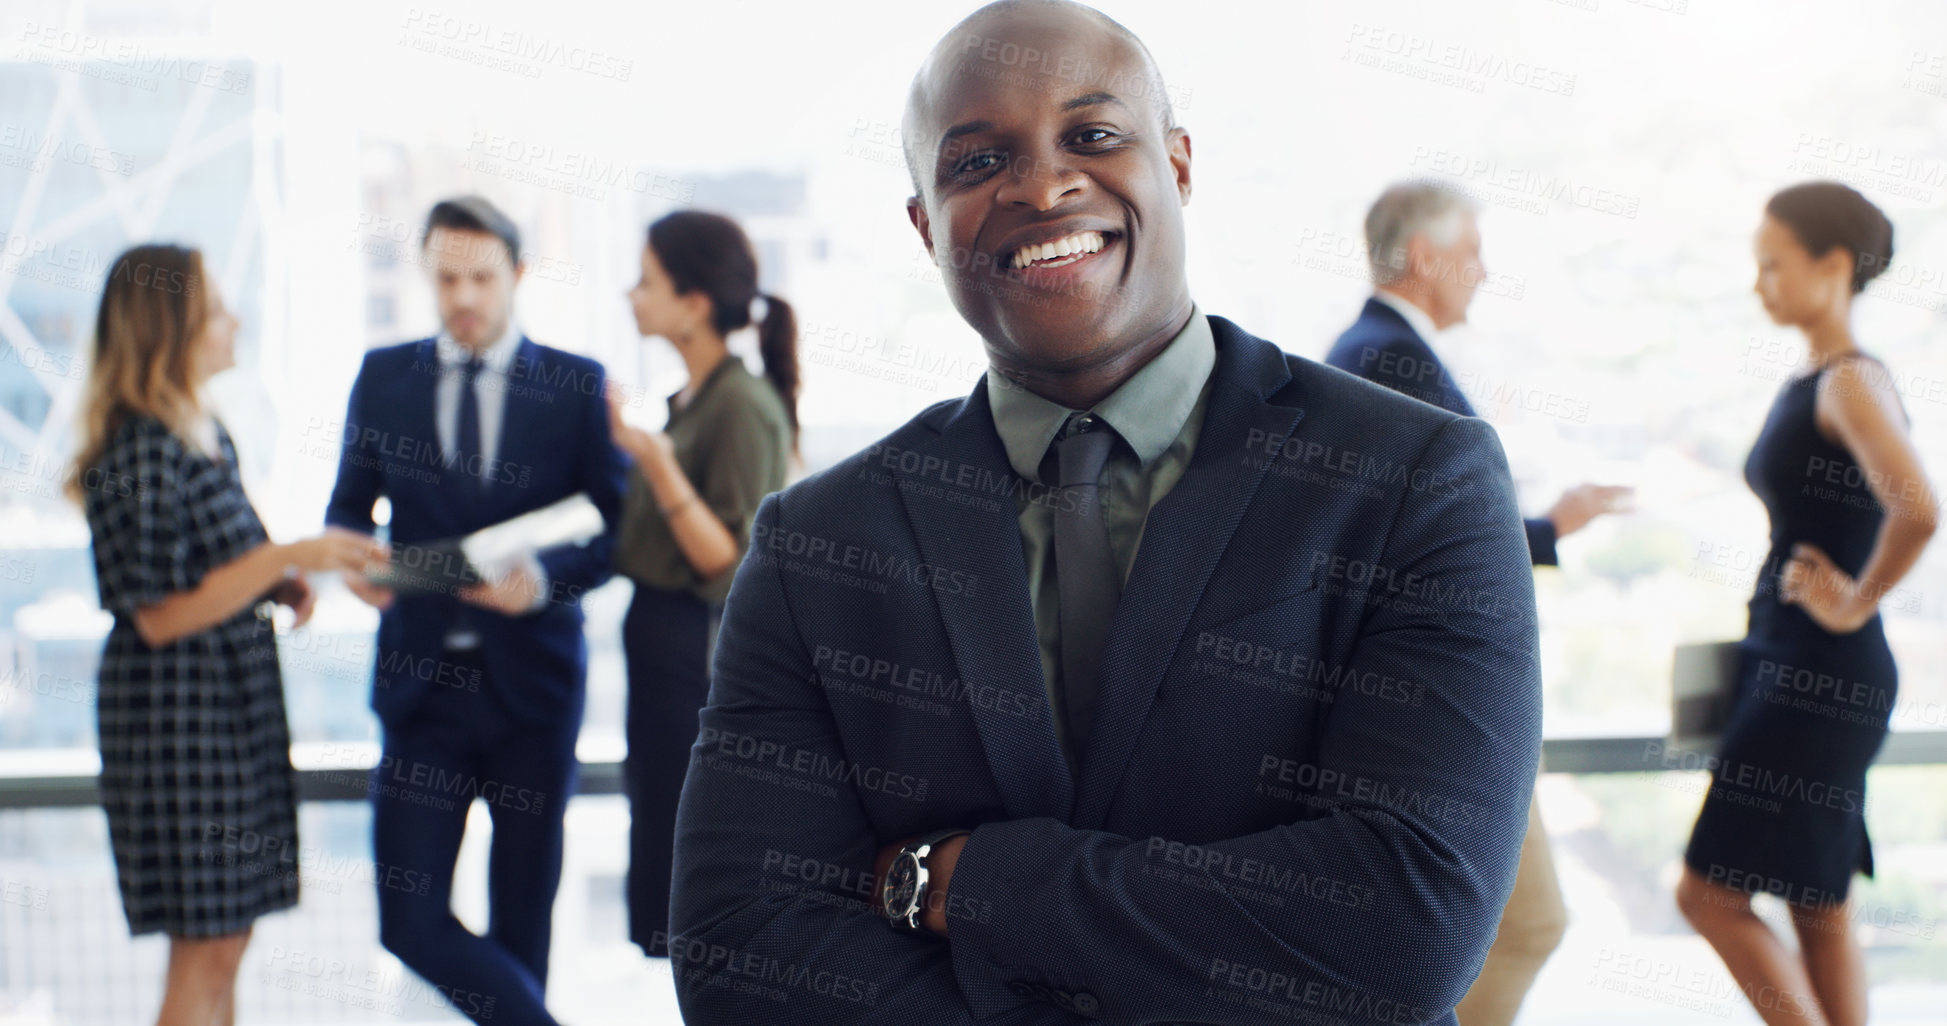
<point>733,441</point>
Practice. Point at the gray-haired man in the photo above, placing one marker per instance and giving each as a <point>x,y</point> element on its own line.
<point>1424,246</point>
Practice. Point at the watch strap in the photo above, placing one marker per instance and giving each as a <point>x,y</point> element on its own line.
<point>920,849</point>
<point>933,840</point>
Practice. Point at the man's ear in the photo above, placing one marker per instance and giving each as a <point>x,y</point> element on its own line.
<point>1178,145</point>
<point>916,213</point>
<point>1419,257</point>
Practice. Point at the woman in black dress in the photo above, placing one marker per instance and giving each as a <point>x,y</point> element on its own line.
<point>195,754</point>
<point>1850,511</point>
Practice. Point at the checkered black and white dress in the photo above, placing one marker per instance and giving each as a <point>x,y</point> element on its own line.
<point>196,771</point>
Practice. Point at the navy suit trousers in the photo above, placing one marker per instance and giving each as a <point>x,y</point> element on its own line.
<point>460,744</point>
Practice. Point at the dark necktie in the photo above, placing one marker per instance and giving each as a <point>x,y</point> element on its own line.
<point>466,440</point>
<point>1086,580</point>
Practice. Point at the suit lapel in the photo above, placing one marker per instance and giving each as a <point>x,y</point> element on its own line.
<point>1183,539</point>
<point>990,629</point>
<point>422,395</point>
<point>518,411</point>
<point>419,413</point>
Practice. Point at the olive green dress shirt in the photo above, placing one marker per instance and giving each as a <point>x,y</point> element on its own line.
<point>1157,415</point>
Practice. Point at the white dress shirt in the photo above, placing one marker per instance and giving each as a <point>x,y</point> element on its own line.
<point>490,391</point>
<point>490,387</point>
<point>1419,320</point>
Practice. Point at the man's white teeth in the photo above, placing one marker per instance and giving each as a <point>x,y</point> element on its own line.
<point>1061,252</point>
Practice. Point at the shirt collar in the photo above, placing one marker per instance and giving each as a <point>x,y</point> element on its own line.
<point>1416,318</point>
<point>716,373</point>
<point>1148,410</point>
<point>496,358</point>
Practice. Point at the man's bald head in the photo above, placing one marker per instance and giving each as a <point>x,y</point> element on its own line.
<point>989,43</point>
<point>1048,188</point>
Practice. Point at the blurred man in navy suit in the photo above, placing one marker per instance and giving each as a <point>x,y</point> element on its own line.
<point>1424,247</point>
<point>1167,677</point>
<point>478,687</point>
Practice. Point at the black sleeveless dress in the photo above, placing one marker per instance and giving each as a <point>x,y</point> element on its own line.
<point>1785,813</point>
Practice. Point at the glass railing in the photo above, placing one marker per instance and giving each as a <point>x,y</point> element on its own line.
<point>1617,833</point>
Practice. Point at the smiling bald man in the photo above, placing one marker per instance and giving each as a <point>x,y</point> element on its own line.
<point>1166,677</point>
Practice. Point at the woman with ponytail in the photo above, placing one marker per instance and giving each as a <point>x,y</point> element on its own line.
<point>686,520</point>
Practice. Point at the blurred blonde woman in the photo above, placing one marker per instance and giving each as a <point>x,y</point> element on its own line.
<point>196,774</point>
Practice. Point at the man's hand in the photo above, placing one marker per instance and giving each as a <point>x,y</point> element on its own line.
<point>296,593</point>
<point>1583,503</point>
<point>371,594</point>
<point>939,874</point>
<point>512,593</point>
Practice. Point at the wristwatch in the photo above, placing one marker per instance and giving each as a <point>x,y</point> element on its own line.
<point>902,895</point>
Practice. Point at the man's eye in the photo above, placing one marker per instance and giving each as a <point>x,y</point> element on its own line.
<point>975,164</point>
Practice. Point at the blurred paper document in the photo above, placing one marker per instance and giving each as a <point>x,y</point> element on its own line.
<point>447,565</point>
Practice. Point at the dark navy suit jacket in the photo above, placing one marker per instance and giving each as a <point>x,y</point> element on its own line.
<point>1380,346</point>
<point>554,442</point>
<point>1307,784</point>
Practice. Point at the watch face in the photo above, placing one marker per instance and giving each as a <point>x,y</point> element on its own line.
<point>902,886</point>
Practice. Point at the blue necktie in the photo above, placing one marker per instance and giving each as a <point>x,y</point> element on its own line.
<point>466,439</point>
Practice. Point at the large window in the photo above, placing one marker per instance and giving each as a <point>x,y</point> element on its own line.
<point>1616,339</point>
<point>1621,150</point>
